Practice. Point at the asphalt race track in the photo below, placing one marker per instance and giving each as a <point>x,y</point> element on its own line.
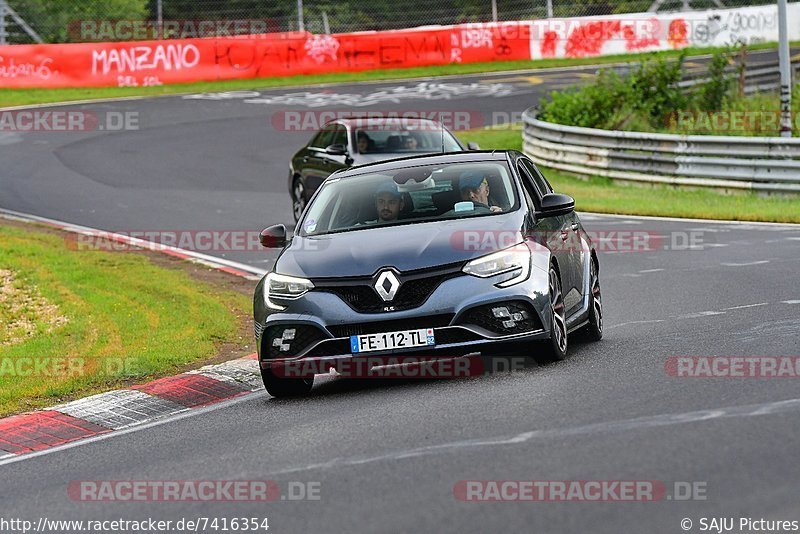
<point>388,454</point>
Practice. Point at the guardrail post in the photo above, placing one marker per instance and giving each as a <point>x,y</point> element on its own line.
<point>785,68</point>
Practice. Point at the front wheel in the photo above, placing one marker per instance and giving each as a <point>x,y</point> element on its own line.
<point>298,199</point>
<point>285,387</point>
<point>556,347</point>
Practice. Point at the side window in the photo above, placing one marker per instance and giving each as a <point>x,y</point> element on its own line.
<point>538,179</point>
<point>531,195</point>
<point>339,136</point>
<point>323,138</point>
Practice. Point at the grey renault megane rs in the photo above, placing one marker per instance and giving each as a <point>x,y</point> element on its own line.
<point>442,255</point>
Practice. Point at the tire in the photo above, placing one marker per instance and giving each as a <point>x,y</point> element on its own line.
<point>298,198</point>
<point>594,330</point>
<point>285,387</point>
<point>555,349</point>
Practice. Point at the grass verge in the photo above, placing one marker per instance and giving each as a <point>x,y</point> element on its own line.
<point>97,320</point>
<point>603,195</point>
<point>20,97</point>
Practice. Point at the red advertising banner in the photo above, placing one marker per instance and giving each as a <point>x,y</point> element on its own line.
<point>144,63</point>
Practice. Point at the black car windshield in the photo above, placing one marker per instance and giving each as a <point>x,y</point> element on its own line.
<point>411,195</point>
<point>422,138</point>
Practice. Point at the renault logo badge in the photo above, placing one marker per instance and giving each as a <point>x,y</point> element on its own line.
<point>387,285</point>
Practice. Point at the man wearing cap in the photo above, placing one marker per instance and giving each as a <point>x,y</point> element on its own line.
<point>474,186</point>
<point>389,203</point>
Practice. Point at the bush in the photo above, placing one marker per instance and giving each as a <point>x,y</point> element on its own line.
<point>643,97</point>
<point>713,94</point>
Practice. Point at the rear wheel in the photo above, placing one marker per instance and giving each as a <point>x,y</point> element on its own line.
<point>556,348</point>
<point>594,330</point>
<point>298,199</point>
<point>285,387</point>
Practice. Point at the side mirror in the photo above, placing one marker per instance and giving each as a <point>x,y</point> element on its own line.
<point>273,236</point>
<point>472,145</point>
<point>336,150</point>
<point>555,204</point>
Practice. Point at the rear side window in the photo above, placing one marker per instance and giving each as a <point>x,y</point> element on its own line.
<point>541,184</point>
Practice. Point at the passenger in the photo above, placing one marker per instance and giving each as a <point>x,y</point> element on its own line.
<point>474,186</point>
<point>363,143</point>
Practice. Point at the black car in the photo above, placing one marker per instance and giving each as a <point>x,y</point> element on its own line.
<point>348,142</point>
<point>446,254</point>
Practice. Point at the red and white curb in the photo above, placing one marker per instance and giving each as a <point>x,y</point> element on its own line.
<point>141,404</point>
<point>124,408</point>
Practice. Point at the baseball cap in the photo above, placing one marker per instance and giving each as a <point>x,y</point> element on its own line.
<point>388,187</point>
<point>470,180</point>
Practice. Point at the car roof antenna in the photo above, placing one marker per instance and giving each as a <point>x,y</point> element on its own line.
<point>441,124</point>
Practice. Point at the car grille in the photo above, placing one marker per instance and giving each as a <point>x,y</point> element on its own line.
<point>293,344</point>
<point>527,320</point>
<point>415,288</point>
<point>376,327</point>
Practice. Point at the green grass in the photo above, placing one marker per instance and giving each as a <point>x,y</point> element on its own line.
<point>19,97</point>
<point>128,320</point>
<point>602,195</point>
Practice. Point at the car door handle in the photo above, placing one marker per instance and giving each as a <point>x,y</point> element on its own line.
<point>574,227</point>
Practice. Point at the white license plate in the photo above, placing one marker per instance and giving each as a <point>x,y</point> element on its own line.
<point>403,339</point>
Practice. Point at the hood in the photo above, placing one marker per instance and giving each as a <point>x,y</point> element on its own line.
<point>404,247</point>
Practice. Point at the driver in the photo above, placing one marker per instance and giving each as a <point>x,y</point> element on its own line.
<point>389,203</point>
<point>474,186</point>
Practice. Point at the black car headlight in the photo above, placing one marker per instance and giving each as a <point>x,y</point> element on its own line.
<point>515,261</point>
<point>279,286</point>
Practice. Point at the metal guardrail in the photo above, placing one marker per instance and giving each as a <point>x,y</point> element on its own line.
<point>758,77</point>
<point>765,164</point>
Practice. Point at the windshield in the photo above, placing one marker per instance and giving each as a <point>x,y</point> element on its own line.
<point>411,195</point>
<point>417,140</point>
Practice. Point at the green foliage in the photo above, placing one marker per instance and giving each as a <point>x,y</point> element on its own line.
<point>644,96</point>
<point>713,94</point>
<point>58,21</point>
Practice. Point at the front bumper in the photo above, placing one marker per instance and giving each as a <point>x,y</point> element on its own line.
<point>318,325</point>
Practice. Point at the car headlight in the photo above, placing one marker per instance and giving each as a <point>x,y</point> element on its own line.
<point>279,286</point>
<point>515,260</point>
